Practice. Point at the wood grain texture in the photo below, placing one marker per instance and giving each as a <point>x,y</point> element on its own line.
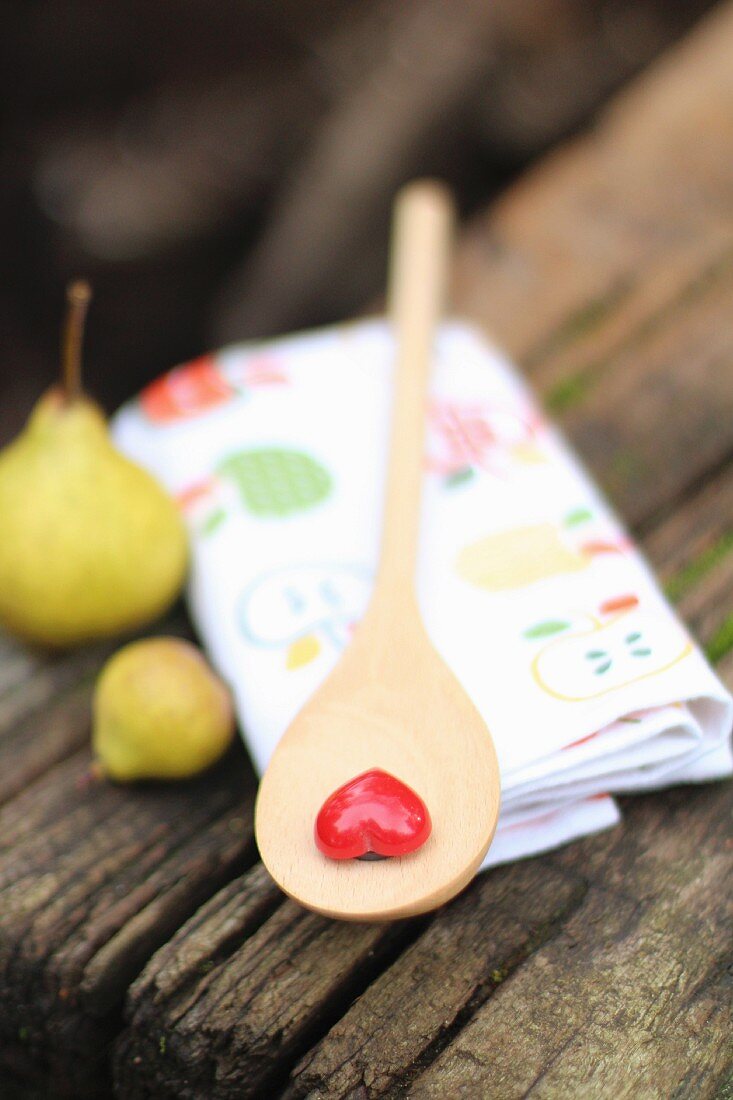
<point>626,995</point>
<point>418,1006</point>
<point>598,971</point>
<point>632,998</point>
<point>93,878</point>
<point>611,260</point>
<point>415,1006</point>
<point>44,704</point>
<point>623,216</point>
<point>274,988</point>
<point>31,685</point>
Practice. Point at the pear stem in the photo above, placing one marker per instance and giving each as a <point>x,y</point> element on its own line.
<point>78,297</point>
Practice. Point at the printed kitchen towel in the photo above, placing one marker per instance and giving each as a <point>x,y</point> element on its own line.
<point>529,587</point>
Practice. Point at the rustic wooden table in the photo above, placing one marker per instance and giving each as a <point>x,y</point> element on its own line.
<point>140,941</point>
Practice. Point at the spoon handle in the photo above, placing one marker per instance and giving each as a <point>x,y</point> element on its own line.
<point>420,254</point>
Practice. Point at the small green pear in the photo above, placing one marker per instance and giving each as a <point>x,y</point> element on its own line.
<point>160,712</point>
<point>90,544</point>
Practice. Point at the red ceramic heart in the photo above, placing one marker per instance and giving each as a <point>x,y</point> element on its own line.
<point>374,812</point>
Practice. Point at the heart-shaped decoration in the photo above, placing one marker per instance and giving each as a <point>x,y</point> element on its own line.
<point>372,813</point>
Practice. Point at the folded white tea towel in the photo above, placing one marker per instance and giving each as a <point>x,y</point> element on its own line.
<point>529,587</point>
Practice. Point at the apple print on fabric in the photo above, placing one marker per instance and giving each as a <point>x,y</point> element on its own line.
<point>466,438</point>
<point>600,653</point>
<point>267,482</point>
<point>275,481</point>
<point>520,556</point>
<point>304,610</point>
<point>195,388</point>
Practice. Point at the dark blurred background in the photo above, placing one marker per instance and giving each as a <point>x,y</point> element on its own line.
<point>223,168</point>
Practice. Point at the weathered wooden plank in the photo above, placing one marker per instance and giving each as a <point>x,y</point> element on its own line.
<point>611,260</point>
<point>220,1039</point>
<point>93,878</point>
<point>211,935</point>
<point>32,680</point>
<point>655,967</point>
<point>693,553</point>
<point>30,747</point>
<point>632,998</point>
<point>418,1003</point>
<point>406,1017</point>
<point>266,997</point>
<point>629,215</point>
<point>377,1046</point>
<point>55,835</point>
<point>649,442</point>
<point>262,1003</point>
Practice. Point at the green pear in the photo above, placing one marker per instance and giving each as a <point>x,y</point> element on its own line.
<point>160,712</point>
<point>90,544</point>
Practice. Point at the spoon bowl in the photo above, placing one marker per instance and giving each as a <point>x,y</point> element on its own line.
<point>390,703</point>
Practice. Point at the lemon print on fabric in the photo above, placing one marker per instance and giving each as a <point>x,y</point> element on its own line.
<point>275,481</point>
<point>518,557</point>
<point>302,652</point>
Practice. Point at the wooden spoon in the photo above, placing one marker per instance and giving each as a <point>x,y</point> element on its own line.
<point>391,702</point>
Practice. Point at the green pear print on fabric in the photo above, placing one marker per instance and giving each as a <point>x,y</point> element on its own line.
<point>275,481</point>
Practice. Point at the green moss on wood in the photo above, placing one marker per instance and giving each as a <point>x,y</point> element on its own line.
<point>627,466</point>
<point>725,1092</point>
<point>721,642</point>
<point>584,320</point>
<point>692,573</point>
<point>568,392</point>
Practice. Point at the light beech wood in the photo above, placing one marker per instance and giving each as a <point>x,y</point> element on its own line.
<point>391,702</point>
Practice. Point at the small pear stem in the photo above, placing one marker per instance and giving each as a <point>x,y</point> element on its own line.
<point>78,297</point>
